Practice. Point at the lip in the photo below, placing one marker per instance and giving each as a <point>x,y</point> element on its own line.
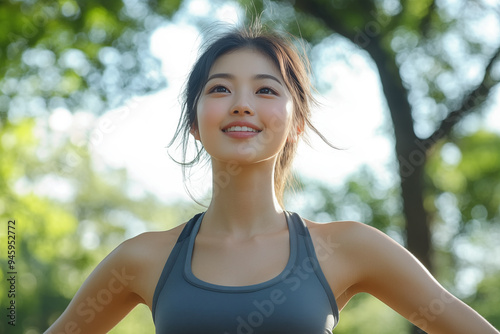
<point>240,123</point>
<point>241,134</point>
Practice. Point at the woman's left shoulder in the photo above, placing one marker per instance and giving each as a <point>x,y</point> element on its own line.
<point>360,246</point>
<point>347,251</point>
<point>364,259</point>
<point>369,254</point>
<point>348,233</point>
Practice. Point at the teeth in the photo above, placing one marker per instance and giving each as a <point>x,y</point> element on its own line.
<point>240,129</point>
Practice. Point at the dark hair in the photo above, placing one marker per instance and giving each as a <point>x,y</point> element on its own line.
<point>294,69</point>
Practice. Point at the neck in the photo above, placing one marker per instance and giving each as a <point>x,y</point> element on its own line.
<point>243,199</point>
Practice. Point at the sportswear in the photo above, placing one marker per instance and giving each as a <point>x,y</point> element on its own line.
<point>297,301</point>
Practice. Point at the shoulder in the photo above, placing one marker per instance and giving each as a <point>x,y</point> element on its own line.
<point>371,257</point>
<point>147,243</point>
<point>356,257</point>
<point>364,252</point>
<point>144,256</point>
<point>349,233</point>
<point>149,247</point>
<point>348,236</point>
<point>365,259</point>
<point>125,277</point>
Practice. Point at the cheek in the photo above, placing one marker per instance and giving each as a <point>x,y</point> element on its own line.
<point>280,118</point>
<point>208,114</point>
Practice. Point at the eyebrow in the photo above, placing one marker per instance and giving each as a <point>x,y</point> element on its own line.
<point>232,77</point>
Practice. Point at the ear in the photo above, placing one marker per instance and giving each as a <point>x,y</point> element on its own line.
<point>295,134</point>
<point>194,132</point>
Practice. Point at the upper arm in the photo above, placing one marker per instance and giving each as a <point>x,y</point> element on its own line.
<point>389,272</point>
<point>105,297</point>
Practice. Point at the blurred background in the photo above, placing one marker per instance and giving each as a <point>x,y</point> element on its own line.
<point>89,101</point>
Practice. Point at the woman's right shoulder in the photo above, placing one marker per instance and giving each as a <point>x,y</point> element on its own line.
<point>147,248</point>
<point>146,255</point>
<point>147,242</point>
<point>125,277</point>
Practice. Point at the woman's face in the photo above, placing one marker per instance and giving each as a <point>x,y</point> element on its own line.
<point>245,110</point>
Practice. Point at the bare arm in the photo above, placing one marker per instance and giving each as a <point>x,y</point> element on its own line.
<point>105,297</point>
<point>390,273</point>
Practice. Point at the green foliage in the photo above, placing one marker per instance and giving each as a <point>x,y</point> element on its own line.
<point>61,52</point>
<point>60,240</point>
<point>165,7</point>
<point>362,197</point>
<point>468,168</point>
<point>487,298</point>
<point>428,46</point>
<point>139,320</point>
<point>366,314</point>
<point>40,224</point>
<point>463,197</point>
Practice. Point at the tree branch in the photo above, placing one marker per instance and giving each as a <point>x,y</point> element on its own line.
<point>324,13</point>
<point>425,23</point>
<point>469,103</point>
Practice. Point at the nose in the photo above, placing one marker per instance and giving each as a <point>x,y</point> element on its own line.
<point>242,106</point>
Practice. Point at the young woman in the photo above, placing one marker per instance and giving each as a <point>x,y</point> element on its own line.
<point>246,265</point>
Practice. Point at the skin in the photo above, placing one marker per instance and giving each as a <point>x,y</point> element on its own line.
<point>246,242</point>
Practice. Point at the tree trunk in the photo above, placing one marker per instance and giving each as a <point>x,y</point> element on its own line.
<point>411,155</point>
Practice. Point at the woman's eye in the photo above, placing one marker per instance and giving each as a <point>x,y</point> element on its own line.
<point>266,91</point>
<point>219,89</point>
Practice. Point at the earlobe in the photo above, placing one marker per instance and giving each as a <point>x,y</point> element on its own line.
<point>194,132</point>
<point>299,131</point>
<point>294,135</point>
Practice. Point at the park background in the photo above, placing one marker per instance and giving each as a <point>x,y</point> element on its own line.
<point>89,101</point>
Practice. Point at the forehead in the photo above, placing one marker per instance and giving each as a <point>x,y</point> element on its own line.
<point>245,61</point>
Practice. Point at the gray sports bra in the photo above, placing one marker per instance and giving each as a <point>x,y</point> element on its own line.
<point>297,301</point>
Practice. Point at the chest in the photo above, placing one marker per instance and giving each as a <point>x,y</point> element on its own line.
<point>239,263</point>
<point>295,301</point>
<point>261,259</point>
<point>276,310</point>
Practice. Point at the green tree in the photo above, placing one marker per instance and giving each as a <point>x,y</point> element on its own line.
<point>77,54</point>
<point>487,298</point>
<point>59,240</point>
<point>462,197</point>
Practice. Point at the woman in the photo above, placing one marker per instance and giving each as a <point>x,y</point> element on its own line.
<point>246,265</point>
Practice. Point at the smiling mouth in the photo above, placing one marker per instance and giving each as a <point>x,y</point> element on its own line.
<point>240,129</point>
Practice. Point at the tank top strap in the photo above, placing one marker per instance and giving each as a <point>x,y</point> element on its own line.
<point>298,223</point>
<point>186,231</point>
<point>303,232</point>
<point>172,258</point>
